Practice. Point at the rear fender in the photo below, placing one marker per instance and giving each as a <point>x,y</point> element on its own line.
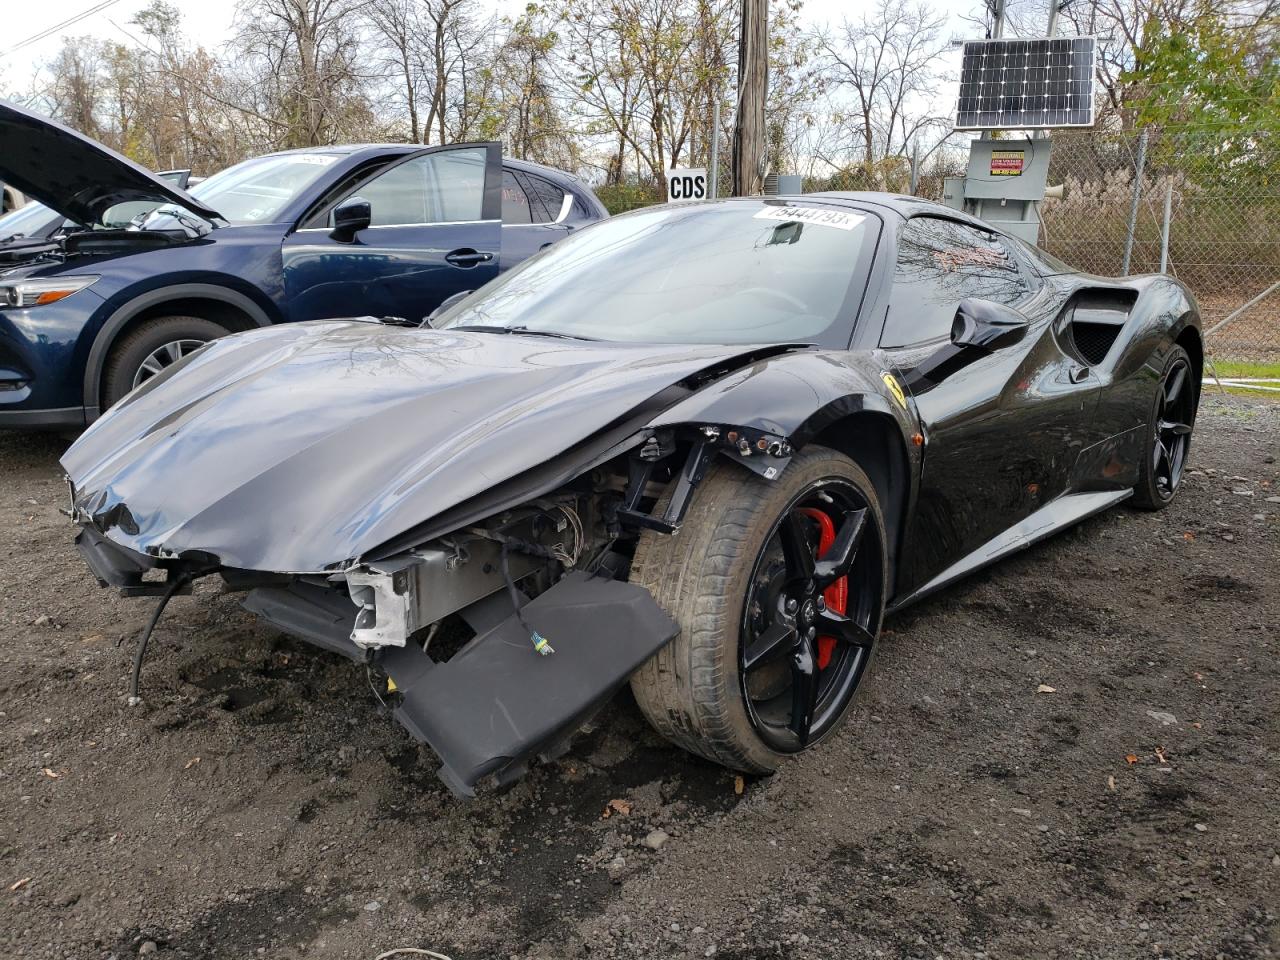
<point>1163,315</point>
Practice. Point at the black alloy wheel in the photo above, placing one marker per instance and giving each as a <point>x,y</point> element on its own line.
<point>778,588</point>
<point>1174,416</point>
<point>1168,436</point>
<point>811,618</point>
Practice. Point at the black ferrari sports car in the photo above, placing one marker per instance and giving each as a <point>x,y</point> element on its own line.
<point>701,447</point>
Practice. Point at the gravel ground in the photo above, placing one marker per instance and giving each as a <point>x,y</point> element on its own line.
<point>1070,755</point>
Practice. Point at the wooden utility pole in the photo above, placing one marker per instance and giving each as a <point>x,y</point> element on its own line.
<point>753,87</point>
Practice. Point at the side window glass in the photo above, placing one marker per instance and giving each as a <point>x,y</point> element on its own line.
<point>993,272</point>
<point>445,187</point>
<point>515,204</point>
<point>399,196</point>
<point>318,215</point>
<point>940,263</point>
<point>548,195</point>
<point>1045,263</point>
<point>455,185</point>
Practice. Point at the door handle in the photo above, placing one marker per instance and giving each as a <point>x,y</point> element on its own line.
<point>466,257</point>
<point>1079,374</point>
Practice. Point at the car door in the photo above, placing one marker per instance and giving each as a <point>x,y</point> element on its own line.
<point>435,230</point>
<point>1002,432</point>
<point>531,210</point>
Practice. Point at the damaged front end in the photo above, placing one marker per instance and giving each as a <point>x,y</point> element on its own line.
<point>494,635</point>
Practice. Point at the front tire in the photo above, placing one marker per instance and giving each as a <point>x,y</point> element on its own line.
<point>149,348</point>
<point>779,590</point>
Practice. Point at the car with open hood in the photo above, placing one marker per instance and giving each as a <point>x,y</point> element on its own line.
<point>701,447</point>
<point>90,311</point>
<point>33,230</point>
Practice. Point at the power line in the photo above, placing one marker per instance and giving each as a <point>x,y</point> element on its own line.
<point>102,5</point>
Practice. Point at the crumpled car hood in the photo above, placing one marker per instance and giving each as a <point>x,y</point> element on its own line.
<point>298,447</point>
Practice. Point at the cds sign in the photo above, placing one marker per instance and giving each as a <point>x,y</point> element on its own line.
<point>687,184</point>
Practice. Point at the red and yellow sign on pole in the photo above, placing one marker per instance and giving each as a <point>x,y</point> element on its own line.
<point>1007,163</point>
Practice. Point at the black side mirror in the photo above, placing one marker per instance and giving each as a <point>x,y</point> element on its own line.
<point>445,304</point>
<point>350,218</point>
<point>986,326</point>
<point>980,328</point>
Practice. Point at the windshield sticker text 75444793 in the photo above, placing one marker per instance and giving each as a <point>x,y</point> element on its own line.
<point>822,216</point>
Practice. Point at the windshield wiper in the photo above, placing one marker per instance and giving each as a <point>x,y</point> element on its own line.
<point>519,328</point>
<point>481,328</point>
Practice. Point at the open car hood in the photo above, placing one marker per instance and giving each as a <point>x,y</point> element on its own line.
<point>74,175</point>
<point>299,447</point>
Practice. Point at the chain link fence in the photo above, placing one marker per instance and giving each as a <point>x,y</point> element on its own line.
<point>1201,203</point>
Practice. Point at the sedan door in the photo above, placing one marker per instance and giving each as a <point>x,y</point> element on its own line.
<point>1002,432</point>
<point>435,229</point>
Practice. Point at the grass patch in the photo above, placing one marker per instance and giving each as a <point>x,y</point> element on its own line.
<point>1240,368</point>
<point>1228,369</point>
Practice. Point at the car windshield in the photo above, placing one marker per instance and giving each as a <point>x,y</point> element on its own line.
<point>257,190</point>
<point>742,271</point>
<point>26,220</point>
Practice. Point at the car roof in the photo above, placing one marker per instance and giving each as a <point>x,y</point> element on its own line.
<point>901,204</point>
<point>904,207</point>
<point>392,149</point>
<point>530,167</point>
<point>346,149</point>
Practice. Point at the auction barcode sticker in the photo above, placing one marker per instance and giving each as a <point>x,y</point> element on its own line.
<point>822,216</point>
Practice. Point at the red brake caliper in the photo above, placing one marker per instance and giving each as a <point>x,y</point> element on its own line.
<point>836,595</point>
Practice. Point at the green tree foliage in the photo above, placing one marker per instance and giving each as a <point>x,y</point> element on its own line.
<point>1211,89</point>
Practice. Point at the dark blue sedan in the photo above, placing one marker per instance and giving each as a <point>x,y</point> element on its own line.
<point>385,230</point>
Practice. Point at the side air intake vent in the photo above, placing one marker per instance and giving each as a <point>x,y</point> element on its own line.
<point>1093,340</point>
<point>1092,320</point>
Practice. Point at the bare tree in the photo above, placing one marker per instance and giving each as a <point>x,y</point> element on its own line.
<point>401,30</point>
<point>458,40</point>
<point>298,63</point>
<point>522,101</point>
<point>628,86</point>
<point>75,94</point>
<point>644,73</point>
<point>887,68</point>
<point>793,113</point>
<point>473,43</point>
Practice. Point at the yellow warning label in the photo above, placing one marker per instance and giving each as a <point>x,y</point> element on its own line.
<point>895,388</point>
<point>1007,163</point>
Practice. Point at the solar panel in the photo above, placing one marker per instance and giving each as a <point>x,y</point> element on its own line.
<point>1023,84</point>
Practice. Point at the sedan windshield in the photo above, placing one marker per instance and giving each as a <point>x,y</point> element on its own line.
<point>742,271</point>
<point>257,190</point>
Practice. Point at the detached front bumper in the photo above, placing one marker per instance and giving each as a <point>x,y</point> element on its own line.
<point>115,566</point>
<point>494,705</point>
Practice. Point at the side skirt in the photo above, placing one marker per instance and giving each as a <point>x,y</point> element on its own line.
<point>1048,520</point>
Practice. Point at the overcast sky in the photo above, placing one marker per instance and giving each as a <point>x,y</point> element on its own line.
<point>209,22</point>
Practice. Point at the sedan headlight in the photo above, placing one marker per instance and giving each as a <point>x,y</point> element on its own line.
<point>36,293</point>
